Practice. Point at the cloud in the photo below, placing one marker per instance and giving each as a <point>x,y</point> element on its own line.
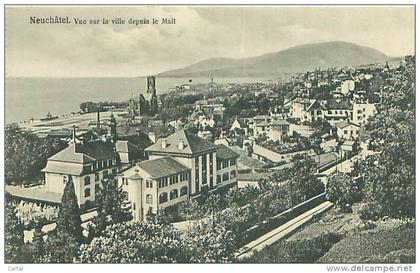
<point>199,33</point>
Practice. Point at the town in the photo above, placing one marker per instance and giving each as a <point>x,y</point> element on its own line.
<point>215,167</point>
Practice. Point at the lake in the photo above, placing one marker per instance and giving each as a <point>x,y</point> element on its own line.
<point>27,98</point>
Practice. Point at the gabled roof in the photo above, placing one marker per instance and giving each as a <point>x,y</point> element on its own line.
<point>344,124</point>
<point>224,152</point>
<point>192,144</point>
<point>141,140</point>
<point>97,149</point>
<point>69,155</point>
<point>315,105</point>
<point>340,105</point>
<point>85,152</point>
<point>162,167</point>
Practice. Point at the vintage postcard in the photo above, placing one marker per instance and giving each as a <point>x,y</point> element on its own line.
<point>210,134</point>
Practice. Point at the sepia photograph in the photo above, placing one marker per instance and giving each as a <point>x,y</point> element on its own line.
<point>210,134</point>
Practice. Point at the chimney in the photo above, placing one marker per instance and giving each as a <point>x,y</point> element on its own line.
<point>98,122</point>
<point>180,144</point>
<point>164,143</point>
<point>74,134</point>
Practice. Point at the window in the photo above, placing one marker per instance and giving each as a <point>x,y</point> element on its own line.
<point>219,179</point>
<point>184,190</point>
<point>65,179</point>
<point>87,180</point>
<point>114,171</point>
<point>87,192</point>
<point>134,206</point>
<point>232,162</point>
<point>110,162</point>
<point>345,132</point>
<point>149,183</point>
<point>233,174</point>
<point>149,199</point>
<point>96,176</point>
<point>225,176</point>
<point>163,197</point>
<point>105,174</point>
<point>105,163</point>
<point>173,194</point>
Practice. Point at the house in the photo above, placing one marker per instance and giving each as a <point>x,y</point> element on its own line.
<point>363,111</point>
<point>328,143</point>
<point>348,146</point>
<point>239,124</point>
<point>314,112</point>
<point>278,129</point>
<point>193,151</point>
<point>180,165</point>
<point>338,110</point>
<point>86,164</point>
<point>347,130</point>
<point>299,106</point>
<point>260,125</point>
<point>347,86</point>
<point>155,184</point>
<point>130,148</point>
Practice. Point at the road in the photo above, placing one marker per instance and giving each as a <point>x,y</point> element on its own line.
<point>280,232</point>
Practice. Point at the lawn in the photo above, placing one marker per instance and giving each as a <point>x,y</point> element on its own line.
<point>375,246</point>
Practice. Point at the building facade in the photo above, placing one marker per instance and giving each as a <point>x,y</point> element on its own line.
<point>86,164</point>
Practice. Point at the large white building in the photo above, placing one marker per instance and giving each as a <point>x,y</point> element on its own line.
<point>196,164</point>
<point>86,164</point>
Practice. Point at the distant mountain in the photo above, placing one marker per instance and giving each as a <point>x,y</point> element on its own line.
<point>295,59</point>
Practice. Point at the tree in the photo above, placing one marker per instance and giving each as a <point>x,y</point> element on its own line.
<point>113,201</point>
<point>60,247</point>
<point>389,175</point>
<point>26,154</point>
<point>13,235</point>
<point>69,221</point>
<point>344,191</point>
<point>37,245</point>
<point>136,242</point>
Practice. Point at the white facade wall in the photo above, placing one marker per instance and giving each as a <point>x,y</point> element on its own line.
<point>362,111</point>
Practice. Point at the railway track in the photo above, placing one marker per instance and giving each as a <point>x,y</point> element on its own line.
<point>280,232</point>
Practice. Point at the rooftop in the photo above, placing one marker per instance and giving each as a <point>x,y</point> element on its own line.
<point>162,167</point>
<point>34,194</point>
<point>344,124</point>
<point>224,152</point>
<point>192,144</point>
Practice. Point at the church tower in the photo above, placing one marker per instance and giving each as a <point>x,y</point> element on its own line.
<point>151,88</point>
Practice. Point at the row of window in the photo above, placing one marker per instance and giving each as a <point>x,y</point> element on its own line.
<point>351,132</point>
<point>171,180</point>
<point>87,178</point>
<point>102,164</point>
<point>163,197</point>
<point>222,164</point>
<point>225,176</point>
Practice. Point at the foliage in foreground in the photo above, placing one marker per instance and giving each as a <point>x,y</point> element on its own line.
<point>26,154</point>
<point>141,242</point>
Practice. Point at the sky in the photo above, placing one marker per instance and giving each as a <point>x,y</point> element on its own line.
<point>200,32</point>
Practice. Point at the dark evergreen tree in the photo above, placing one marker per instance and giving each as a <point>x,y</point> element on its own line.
<point>37,244</point>
<point>13,235</point>
<point>69,214</point>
